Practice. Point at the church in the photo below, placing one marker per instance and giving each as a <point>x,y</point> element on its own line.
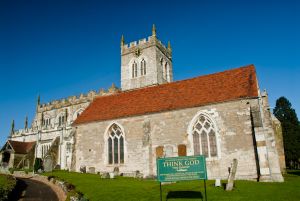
<point>223,116</point>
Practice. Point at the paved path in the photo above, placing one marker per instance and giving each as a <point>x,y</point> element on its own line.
<point>31,190</point>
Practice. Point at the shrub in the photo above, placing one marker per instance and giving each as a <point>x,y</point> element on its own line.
<point>7,184</point>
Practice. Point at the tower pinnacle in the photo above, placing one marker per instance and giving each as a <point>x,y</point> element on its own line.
<point>169,46</point>
<point>26,122</point>
<point>122,41</point>
<point>12,131</point>
<point>153,30</point>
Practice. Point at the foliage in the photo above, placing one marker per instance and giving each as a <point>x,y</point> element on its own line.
<point>7,184</point>
<point>26,170</point>
<point>121,188</point>
<point>290,131</point>
<point>38,164</point>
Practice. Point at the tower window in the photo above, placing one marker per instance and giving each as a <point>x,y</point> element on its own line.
<point>143,67</point>
<point>134,69</point>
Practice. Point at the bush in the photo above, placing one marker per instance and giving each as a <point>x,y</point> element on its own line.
<point>7,184</point>
<point>38,164</point>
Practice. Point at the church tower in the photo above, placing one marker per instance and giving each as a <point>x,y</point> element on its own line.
<point>145,63</point>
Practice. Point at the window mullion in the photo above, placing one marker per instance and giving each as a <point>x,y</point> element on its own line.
<point>112,150</point>
<point>208,144</point>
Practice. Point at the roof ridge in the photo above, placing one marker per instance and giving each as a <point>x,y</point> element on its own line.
<point>218,87</point>
<point>178,81</point>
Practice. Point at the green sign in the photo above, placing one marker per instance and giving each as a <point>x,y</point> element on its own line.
<point>181,168</point>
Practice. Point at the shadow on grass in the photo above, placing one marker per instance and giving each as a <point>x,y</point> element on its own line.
<point>16,194</point>
<point>294,172</point>
<point>184,194</point>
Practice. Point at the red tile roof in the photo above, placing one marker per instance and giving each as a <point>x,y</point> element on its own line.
<point>21,147</point>
<point>214,88</point>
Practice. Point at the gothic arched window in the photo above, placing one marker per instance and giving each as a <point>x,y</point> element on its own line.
<point>115,143</point>
<point>143,67</point>
<point>134,69</point>
<point>61,120</point>
<point>204,137</point>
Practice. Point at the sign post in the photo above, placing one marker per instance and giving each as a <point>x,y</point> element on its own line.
<point>181,168</point>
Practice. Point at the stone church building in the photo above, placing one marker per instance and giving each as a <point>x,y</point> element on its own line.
<point>223,116</point>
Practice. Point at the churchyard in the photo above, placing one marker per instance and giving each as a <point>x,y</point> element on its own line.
<point>95,188</point>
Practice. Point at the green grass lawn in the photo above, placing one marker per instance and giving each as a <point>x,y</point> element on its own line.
<point>7,184</point>
<point>95,189</point>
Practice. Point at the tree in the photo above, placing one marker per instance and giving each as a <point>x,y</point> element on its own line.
<point>290,131</point>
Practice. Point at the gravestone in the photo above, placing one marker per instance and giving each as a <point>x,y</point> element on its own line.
<point>105,175</point>
<point>82,169</point>
<point>92,170</point>
<point>231,177</point>
<point>48,164</point>
<point>116,171</point>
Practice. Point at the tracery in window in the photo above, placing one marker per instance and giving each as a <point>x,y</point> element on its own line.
<point>204,137</point>
<point>115,145</point>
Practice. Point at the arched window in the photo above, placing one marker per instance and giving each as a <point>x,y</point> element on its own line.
<point>134,69</point>
<point>143,67</point>
<point>115,143</point>
<point>204,137</point>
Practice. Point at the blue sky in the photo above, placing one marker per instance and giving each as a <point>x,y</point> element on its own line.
<point>63,48</point>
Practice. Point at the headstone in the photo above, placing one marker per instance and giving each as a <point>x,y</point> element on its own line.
<point>168,151</point>
<point>138,174</point>
<point>111,175</point>
<point>92,170</point>
<point>82,169</point>
<point>48,164</point>
<point>231,177</point>
<point>57,167</point>
<point>116,171</point>
<point>218,183</point>
<point>105,175</point>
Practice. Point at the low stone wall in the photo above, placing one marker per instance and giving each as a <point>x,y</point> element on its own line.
<point>57,186</point>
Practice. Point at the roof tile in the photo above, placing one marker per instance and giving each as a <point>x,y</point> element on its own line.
<point>219,87</point>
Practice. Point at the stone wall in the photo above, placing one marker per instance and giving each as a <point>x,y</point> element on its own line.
<point>235,139</point>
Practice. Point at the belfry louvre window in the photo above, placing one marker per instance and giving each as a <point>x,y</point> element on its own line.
<point>115,145</point>
<point>134,70</point>
<point>204,137</point>
<point>143,67</point>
